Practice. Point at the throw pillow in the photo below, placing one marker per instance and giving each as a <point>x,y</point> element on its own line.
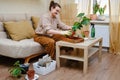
<point>35,21</point>
<point>19,30</point>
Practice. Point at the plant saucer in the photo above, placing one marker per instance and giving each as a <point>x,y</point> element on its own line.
<point>92,38</point>
<point>36,77</point>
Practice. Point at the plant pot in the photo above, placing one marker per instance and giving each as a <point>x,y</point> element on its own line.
<point>93,16</point>
<point>30,74</point>
<point>86,33</point>
<point>101,17</point>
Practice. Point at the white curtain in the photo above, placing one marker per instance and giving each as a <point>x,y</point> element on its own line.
<point>70,9</point>
<point>84,6</point>
<point>114,26</point>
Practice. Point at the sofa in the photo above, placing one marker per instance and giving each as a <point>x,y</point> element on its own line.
<point>24,48</point>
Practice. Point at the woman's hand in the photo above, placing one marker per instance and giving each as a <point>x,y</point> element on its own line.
<point>66,32</point>
<point>69,27</point>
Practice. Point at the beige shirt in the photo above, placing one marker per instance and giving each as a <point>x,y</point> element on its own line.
<point>47,22</point>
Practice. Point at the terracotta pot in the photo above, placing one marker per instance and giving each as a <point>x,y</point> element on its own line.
<point>86,33</point>
<point>93,16</point>
<point>30,74</point>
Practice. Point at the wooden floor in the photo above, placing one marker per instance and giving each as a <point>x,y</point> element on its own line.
<point>108,69</point>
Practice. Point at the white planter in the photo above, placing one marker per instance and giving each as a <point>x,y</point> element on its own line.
<point>101,17</point>
<point>44,70</point>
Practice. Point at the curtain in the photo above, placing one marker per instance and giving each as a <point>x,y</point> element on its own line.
<point>68,12</point>
<point>84,6</point>
<point>70,9</point>
<point>114,6</point>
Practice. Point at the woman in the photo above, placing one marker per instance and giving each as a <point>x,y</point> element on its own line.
<point>50,29</point>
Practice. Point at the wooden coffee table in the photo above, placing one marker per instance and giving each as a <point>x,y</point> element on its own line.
<point>87,46</point>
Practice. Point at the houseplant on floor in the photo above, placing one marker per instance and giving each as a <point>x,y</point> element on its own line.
<point>16,70</point>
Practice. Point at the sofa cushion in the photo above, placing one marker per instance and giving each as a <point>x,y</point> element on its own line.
<point>19,49</point>
<point>2,31</point>
<point>19,30</point>
<point>35,21</point>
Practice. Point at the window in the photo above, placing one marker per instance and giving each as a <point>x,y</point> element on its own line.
<point>102,3</point>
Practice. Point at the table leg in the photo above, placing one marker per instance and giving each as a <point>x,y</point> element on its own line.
<point>85,66</point>
<point>57,55</point>
<point>100,49</point>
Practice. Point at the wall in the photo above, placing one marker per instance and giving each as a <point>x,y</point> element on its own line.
<point>102,30</point>
<point>24,6</point>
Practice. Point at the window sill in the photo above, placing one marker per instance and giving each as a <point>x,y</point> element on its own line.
<point>100,22</point>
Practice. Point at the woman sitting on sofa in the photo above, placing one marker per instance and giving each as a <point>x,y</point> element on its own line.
<point>49,30</point>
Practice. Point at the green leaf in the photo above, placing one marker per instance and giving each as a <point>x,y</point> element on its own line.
<point>16,70</point>
<point>101,11</point>
<point>11,69</point>
<point>82,21</point>
<point>95,8</point>
<point>77,25</point>
<point>74,28</point>
<point>17,63</point>
<point>85,22</point>
<point>80,14</point>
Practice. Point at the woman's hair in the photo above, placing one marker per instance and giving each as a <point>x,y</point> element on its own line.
<point>53,4</point>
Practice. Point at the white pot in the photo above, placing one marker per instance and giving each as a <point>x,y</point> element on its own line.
<point>101,17</point>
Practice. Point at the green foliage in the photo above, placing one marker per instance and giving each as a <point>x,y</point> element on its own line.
<point>83,20</point>
<point>80,15</point>
<point>95,8</point>
<point>76,26</point>
<point>102,10</point>
<point>16,70</point>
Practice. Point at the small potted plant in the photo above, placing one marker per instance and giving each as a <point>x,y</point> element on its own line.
<point>95,10</point>
<point>101,12</point>
<point>30,74</point>
<point>83,21</point>
<point>16,70</point>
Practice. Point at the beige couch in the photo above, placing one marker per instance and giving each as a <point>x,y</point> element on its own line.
<point>25,48</point>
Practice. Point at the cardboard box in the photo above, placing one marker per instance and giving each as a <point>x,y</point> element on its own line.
<point>44,70</point>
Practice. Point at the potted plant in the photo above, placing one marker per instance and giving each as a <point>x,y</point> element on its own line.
<point>95,10</point>
<point>30,74</point>
<point>101,12</point>
<point>83,21</point>
<point>16,70</point>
